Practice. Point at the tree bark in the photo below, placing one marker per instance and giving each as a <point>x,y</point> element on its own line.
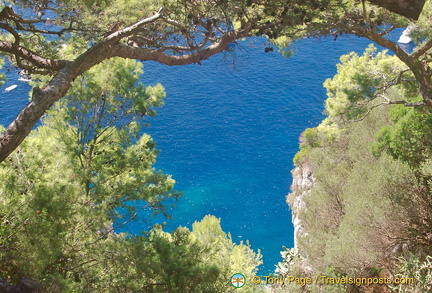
<point>407,8</point>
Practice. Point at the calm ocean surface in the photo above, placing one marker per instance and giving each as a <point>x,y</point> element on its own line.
<point>229,131</point>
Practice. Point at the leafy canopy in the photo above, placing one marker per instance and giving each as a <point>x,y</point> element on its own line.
<point>370,198</point>
<point>88,170</point>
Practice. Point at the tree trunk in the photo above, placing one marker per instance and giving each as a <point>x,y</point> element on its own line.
<point>407,8</point>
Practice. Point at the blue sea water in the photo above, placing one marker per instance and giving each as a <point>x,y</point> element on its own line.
<point>229,131</point>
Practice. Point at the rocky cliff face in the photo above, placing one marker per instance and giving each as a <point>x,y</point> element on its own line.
<point>303,181</point>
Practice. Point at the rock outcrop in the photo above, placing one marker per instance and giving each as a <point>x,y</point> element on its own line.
<point>303,181</point>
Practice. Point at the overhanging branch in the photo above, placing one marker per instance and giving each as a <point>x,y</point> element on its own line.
<point>145,54</point>
<point>67,71</point>
<point>32,57</point>
<point>423,49</point>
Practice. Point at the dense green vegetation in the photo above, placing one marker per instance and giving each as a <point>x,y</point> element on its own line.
<point>87,171</point>
<point>369,213</point>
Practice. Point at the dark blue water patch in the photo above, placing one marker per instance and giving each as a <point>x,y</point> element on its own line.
<point>12,102</point>
<point>229,131</point>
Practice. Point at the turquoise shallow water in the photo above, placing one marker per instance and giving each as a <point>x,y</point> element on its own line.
<point>229,131</point>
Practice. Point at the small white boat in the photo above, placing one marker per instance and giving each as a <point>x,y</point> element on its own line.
<point>405,38</point>
<point>24,79</point>
<point>9,88</point>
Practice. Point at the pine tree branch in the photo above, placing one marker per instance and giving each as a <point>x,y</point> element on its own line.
<point>68,71</point>
<point>422,50</point>
<point>33,58</point>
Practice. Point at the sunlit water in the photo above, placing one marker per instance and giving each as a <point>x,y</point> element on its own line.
<point>229,131</point>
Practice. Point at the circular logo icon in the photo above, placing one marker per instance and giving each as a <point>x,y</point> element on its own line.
<point>238,280</point>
